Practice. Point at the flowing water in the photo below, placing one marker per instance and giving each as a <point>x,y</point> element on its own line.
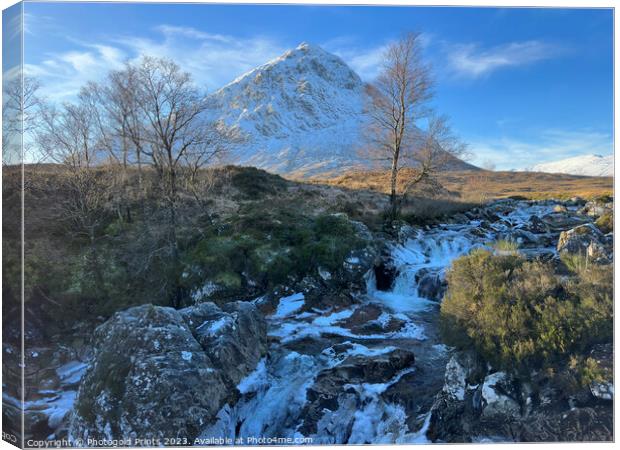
<point>274,396</point>
<point>307,343</point>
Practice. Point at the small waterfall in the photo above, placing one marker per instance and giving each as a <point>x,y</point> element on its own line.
<point>273,397</point>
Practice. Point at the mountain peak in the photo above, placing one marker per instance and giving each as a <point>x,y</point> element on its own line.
<point>302,112</point>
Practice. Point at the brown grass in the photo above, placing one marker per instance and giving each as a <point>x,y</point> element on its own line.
<point>486,185</point>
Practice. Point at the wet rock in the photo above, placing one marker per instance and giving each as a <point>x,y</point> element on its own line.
<point>536,225</point>
<point>431,285</point>
<point>323,299</point>
<point>577,240</point>
<point>163,373</point>
<point>560,209</point>
<point>561,221</point>
<point>337,389</point>
<point>372,369</point>
<point>602,389</point>
<point>456,409</point>
<point>463,370</point>
<point>496,391</point>
<point>370,319</point>
<point>232,337</point>
<point>523,238</point>
<point>385,274</point>
<point>406,232</point>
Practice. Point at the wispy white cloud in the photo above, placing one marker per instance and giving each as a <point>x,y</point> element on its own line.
<point>508,153</point>
<point>472,61</point>
<point>212,59</point>
<point>366,61</point>
<point>62,75</point>
<point>193,33</point>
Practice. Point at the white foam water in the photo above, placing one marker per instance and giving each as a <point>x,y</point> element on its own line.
<point>274,395</point>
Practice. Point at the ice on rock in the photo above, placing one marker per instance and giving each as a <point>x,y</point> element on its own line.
<point>288,305</point>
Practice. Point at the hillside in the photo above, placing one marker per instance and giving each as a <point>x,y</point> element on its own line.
<point>483,185</point>
<point>586,165</point>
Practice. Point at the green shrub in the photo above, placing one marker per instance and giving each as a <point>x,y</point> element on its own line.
<point>270,247</point>
<point>255,183</point>
<point>603,199</point>
<point>506,246</point>
<point>519,315</point>
<point>605,223</point>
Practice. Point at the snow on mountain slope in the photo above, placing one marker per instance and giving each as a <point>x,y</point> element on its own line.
<point>300,113</point>
<point>588,165</point>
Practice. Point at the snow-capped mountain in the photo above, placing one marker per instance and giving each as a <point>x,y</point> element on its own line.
<point>301,113</point>
<point>587,165</point>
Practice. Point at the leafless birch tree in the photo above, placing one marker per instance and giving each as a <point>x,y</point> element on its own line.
<point>403,131</point>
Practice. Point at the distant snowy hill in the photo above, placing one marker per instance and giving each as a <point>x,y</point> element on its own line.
<point>301,113</point>
<point>588,165</point>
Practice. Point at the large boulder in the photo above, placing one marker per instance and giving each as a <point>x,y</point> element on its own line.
<point>456,407</point>
<point>561,221</point>
<point>597,208</point>
<point>161,373</point>
<point>578,239</point>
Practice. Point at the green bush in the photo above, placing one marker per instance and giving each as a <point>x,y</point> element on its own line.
<point>519,315</point>
<point>506,246</point>
<point>270,248</point>
<point>255,183</point>
<point>605,223</point>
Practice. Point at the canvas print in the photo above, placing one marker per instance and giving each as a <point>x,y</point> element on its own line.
<point>242,224</point>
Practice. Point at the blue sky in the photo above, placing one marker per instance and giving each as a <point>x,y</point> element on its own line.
<point>521,86</point>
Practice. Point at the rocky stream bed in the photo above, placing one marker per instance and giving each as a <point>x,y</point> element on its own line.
<point>314,364</point>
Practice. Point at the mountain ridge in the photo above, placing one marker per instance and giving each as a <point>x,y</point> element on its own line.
<point>301,114</point>
<point>586,165</point>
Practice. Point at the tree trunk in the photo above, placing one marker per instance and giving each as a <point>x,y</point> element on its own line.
<point>393,182</point>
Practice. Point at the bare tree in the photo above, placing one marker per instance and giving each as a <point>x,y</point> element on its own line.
<point>175,134</point>
<point>403,131</point>
<point>68,136</point>
<point>150,112</point>
<point>19,111</point>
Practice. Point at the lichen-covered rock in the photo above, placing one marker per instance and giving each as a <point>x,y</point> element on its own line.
<point>161,373</point>
<point>578,239</point>
<point>561,221</point>
<point>233,337</point>
<point>596,208</point>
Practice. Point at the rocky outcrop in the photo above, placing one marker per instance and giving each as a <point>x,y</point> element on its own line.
<point>341,389</point>
<point>578,239</point>
<point>562,221</point>
<point>597,208</point>
<point>496,397</point>
<point>162,373</point>
<point>475,402</point>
